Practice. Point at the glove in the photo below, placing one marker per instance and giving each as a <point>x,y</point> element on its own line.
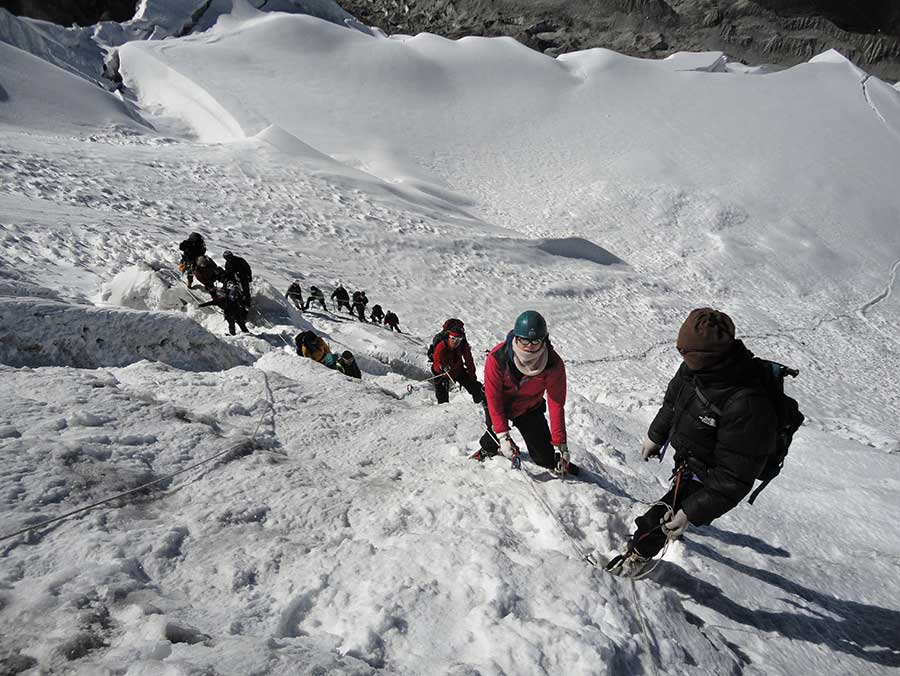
<point>675,527</point>
<point>478,397</point>
<point>562,455</point>
<point>649,449</point>
<point>508,447</point>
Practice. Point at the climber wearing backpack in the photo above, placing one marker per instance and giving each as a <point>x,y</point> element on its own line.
<point>451,360</point>
<point>360,300</point>
<point>208,273</point>
<point>392,321</point>
<point>230,299</point>
<point>315,296</point>
<point>191,249</point>
<point>295,295</point>
<point>239,270</point>
<point>311,345</point>
<point>342,298</point>
<point>377,315</point>
<point>721,414</point>
<point>517,374</point>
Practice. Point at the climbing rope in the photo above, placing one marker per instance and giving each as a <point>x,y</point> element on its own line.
<point>578,549</point>
<point>85,508</point>
<point>644,630</point>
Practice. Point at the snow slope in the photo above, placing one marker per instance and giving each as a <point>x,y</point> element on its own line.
<point>26,106</point>
<point>290,520</point>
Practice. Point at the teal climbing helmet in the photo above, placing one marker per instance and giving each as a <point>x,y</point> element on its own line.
<point>530,324</point>
<point>330,360</point>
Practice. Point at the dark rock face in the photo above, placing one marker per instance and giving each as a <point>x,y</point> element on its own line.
<point>67,12</point>
<point>784,32</point>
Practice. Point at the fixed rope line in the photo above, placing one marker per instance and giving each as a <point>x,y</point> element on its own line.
<point>586,557</point>
<point>644,630</point>
<point>94,505</point>
<point>575,545</point>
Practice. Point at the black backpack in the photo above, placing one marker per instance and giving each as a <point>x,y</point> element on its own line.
<point>770,377</point>
<point>438,337</point>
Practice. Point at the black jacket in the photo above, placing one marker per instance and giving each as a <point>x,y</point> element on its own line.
<point>340,293</point>
<point>349,369</point>
<point>230,306</point>
<point>727,451</point>
<point>192,247</point>
<point>238,269</point>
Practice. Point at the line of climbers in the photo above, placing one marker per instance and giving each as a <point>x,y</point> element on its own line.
<point>229,287</point>
<point>725,414</point>
<point>356,305</point>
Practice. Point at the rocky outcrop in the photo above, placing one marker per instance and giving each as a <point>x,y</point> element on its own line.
<point>67,12</point>
<point>753,31</point>
<point>783,32</point>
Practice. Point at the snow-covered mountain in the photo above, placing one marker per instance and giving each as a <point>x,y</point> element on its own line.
<point>338,526</point>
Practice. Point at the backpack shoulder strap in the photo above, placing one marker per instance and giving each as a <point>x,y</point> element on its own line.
<point>705,400</point>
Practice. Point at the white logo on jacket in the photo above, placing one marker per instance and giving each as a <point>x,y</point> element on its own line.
<point>708,420</point>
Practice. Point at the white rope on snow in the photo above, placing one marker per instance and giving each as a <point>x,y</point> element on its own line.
<point>85,508</point>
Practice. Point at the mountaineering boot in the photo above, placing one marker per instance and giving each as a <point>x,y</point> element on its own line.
<point>563,465</point>
<point>628,564</point>
<point>482,454</point>
<point>571,469</point>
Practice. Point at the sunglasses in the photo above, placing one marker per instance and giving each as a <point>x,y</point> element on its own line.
<point>529,341</point>
<point>455,339</point>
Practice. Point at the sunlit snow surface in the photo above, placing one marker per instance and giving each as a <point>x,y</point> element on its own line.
<point>348,533</point>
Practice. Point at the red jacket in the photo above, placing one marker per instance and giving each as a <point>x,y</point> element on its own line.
<point>457,362</point>
<point>510,394</point>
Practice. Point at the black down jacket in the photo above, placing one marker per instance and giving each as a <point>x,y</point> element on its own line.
<point>725,451</point>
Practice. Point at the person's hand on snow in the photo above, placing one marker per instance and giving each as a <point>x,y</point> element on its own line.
<point>674,528</point>
<point>649,449</point>
<point>508,447</point>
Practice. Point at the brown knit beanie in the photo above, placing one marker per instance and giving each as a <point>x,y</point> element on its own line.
<point>705,338</point>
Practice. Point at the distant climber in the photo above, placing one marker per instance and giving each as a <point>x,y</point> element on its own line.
<point>191,248</point>
<point>359,304</point>
<point>347,365</point>
<point>377,315</point>
<point>315,296</point>
<point>392,322</point>
<point>295,295</point>
<point>231,302</point>
<point>452,362</point>
<point>238,269</point>
<point>311,345</point>
<point>208,273</point>
<point>342,298</point>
